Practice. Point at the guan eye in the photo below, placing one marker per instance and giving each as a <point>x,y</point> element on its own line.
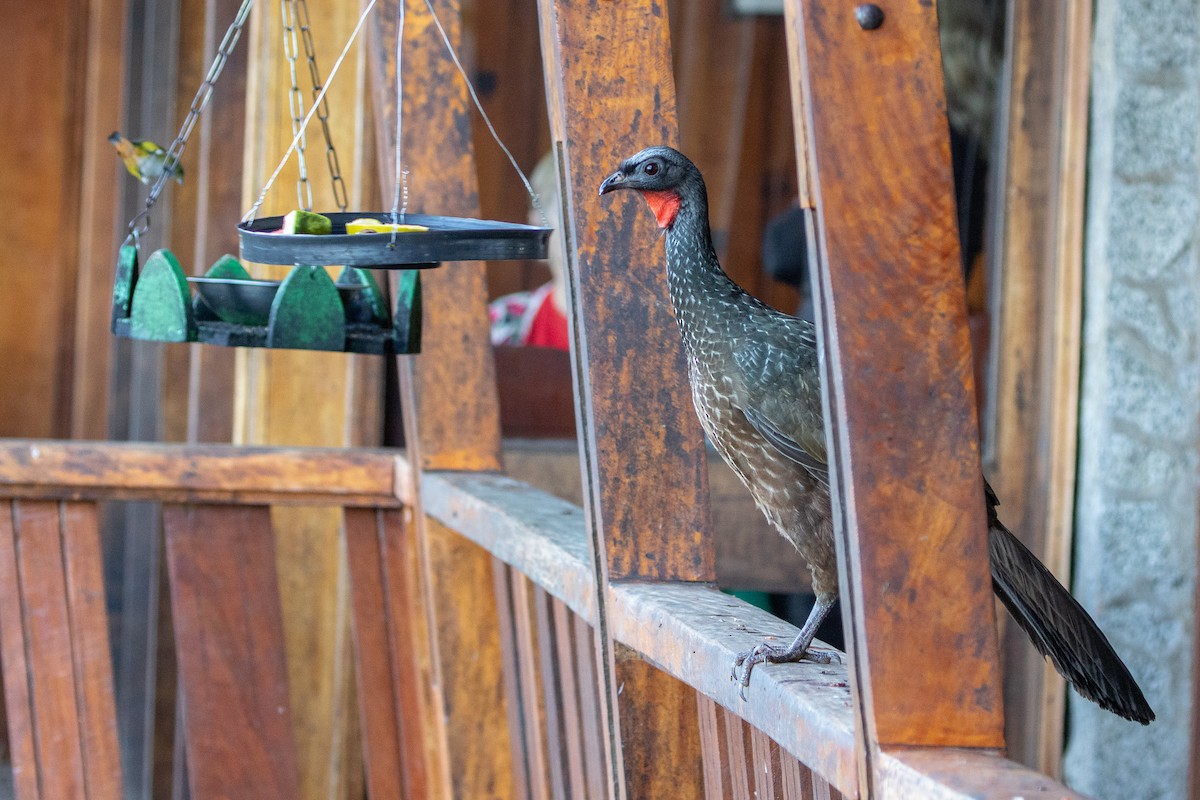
<point>651,168</point>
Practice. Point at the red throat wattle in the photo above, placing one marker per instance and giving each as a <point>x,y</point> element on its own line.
<point>665,205</point>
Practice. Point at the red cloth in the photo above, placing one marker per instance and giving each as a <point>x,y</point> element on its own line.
<point>549,327</point>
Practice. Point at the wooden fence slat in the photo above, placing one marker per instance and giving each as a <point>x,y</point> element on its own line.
<point>421,718</point>
<point>510,653</point>
<point>197,473</point>
<point>229,634</point>
<point>528,674</point>
<point>91,651</point>
<point>552,701</point>
<point>595,751</point>
<point>710,747</point>
<point>18,692</point>
<point>47,630</point>
<point>568,686</point>
<point>374,658</point>
<point>735,753</point>
<point>764,755</point>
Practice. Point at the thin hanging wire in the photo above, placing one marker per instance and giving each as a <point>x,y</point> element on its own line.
<point>291,49</point>
<point>340,196</point>
<point>533,197</point>
<point>400,198</point>
<point>199,102</point>
<point>253,212</point>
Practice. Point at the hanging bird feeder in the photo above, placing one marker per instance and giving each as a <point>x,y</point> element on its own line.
<point>308,309</point>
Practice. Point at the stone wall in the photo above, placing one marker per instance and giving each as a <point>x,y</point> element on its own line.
<point>1136,525</point>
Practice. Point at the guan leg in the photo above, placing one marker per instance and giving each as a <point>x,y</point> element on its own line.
<point>766,653</point>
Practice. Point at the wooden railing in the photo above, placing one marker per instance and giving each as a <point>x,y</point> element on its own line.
<point>791,736</point>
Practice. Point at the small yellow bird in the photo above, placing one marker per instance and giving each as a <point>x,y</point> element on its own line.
<point>144,159</point>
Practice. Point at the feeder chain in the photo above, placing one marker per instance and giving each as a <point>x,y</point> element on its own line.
<point>296,102</point>
<point>199,102</point>
<point>340,196</point>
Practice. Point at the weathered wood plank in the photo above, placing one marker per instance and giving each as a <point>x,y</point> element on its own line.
<point>595,747</point>
<point>551,695</point>
<point>221,131</point>
<point>902,426</point>
<point>197,473</point>
<point>610,92</point>
<point>533,710</point>
<point>1031,426</point>
<point>538,534</point>
<point>456,360</point>
<point>570,703</point>
<point>229,633</point>
<point>91,654</point>
<point>46,625</point>
<point>103,106</point>
<point>375,667</point>
<point>456,364</point>
<point>18,700</point>
<point>710,747</point>
<point>694,632</point>
<point>502,578</point>
<point>961,774</point>
<point>422,725</point>
<point>764,761</point>
<point>735,754</point>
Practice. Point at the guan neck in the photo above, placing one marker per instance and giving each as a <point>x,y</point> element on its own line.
<point>697,283</point>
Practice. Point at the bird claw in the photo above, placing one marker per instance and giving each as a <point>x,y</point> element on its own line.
<point>766,653</point>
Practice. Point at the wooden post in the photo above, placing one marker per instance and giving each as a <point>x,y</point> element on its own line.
<point>1036,275</point>
<point>308,398</point>
<point>611,92</point>
<point>448,395</point>
<point>900,412</point>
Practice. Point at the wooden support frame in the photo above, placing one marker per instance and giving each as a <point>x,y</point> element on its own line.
<point>887,239</point>
<point>1030,421</point>
<point>610,91</point>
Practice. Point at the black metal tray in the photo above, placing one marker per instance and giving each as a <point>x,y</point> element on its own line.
<point>448,239</point>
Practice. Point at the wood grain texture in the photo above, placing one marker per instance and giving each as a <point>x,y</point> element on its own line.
<point>57,663</point>
<point>961,774</point>
<point>18,699</point>
<point>91,654</point>
<point>47,640</point>
<point>448,394</point>
<point>197,473</point>
<point>301,397</point>
<point>45,45</point>
<point>456,359</point>
<point>610,92</point>
<point>217,178</point>
<point>1036,272</point>
<point>230,642</point>
<point>103,104</point>
<point>389,695</point>
<point>902,422</point>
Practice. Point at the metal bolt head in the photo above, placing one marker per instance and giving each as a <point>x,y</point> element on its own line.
<point>869,16</point>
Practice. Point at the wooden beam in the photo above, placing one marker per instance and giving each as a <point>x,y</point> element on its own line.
<point>610,93</point>
<point>1036,270</point>
<point>449,400</point>
<point>198,473</point>
<point>900,413</point>
<point>232,671</point>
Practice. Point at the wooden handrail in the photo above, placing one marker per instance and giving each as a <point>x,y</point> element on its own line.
<point>69,470</point>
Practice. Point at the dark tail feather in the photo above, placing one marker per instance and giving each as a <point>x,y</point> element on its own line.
<point>1060,628</point>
